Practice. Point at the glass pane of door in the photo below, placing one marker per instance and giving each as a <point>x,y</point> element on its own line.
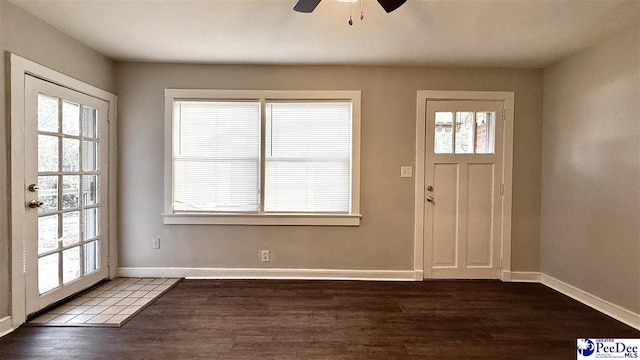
<point>485,132</point>
<point>68,178</point>
<point>443,143</point>
<point>464,132</point>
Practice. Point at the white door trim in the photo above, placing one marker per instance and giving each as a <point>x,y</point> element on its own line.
<point>19,67</point>
<point>507,171</point>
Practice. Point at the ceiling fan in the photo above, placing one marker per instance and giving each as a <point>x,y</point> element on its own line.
<point>307,6</point>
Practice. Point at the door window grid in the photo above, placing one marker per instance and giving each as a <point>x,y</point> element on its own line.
<point>474,132</point>
<point>68,173</point>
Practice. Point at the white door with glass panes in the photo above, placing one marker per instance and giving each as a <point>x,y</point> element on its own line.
<point>66,172</point>
<point>463,173</point>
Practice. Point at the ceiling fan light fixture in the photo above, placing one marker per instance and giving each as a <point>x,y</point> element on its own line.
<point>307,6</point>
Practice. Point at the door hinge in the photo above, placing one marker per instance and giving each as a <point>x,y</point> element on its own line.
<point>504,114</point>
<point>501,189</point>
<point>500,263</point>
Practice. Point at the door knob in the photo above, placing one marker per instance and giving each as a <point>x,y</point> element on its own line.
<point>429,188</point>
<point>33,187</point>
<point>35,204</point>
<point>430,198</point>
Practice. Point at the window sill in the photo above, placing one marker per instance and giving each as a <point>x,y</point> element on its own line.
<point>263,219</point>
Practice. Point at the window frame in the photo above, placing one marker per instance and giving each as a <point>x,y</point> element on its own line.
<point>263,96</point>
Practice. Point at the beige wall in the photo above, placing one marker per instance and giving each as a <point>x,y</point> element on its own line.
<point>384,241</point>
<point>590,233</point>
<point>29,37</point>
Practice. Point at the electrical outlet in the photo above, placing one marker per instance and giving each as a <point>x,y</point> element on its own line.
<point>265,255</point>
<point>156,243</point>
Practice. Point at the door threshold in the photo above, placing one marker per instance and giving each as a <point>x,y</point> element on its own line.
<point>65,300</point>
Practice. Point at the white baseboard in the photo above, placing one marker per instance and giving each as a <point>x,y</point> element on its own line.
<point>419,274</point>
<point>6,326</point>
<point>505,276</point>
<point>617,312</point>
<point>268,273</point>
<point>524,276</point>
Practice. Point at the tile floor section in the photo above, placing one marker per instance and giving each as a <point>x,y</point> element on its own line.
<point>111,304</point>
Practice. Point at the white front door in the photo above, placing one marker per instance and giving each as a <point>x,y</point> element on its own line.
<point>463,170</point>
<point>66,174</point>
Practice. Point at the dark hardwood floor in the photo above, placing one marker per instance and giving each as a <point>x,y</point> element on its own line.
<point>269,319</point>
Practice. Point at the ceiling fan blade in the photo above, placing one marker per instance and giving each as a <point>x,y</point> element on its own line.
<point>390,5</point>
<point>306,6</point>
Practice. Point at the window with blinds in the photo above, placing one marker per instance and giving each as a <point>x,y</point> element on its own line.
<point>253,157</point>
<point>308,156</point>
<point>216,156</point>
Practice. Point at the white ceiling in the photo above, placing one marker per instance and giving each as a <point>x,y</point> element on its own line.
<point>494,33</point>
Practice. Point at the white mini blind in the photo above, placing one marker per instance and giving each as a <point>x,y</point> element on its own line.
<point>308,156</point>
<point>216,156</point>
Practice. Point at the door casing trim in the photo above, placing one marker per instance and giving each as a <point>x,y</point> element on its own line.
<point>19,67</point>
<point>422,265</point>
